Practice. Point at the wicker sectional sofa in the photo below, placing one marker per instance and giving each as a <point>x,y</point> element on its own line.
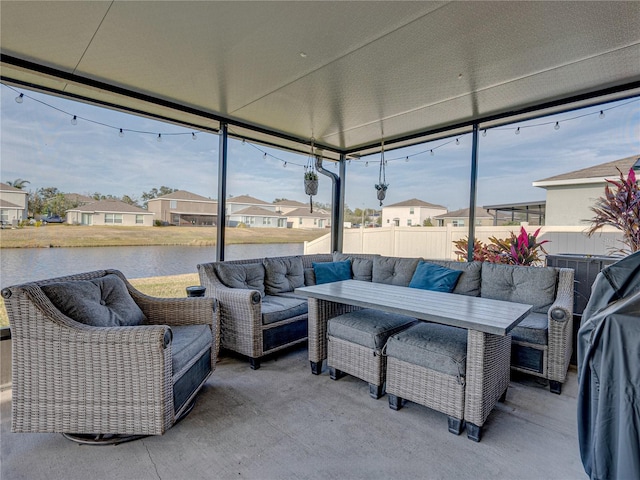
<point>260,314</point>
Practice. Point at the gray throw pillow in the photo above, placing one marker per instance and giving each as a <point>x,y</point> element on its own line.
<point>101,302</point>
<point>248,275</point>
<point>361,267</point>
<point>394,270</point>
<point>283,274</point>
<point>469,281</point>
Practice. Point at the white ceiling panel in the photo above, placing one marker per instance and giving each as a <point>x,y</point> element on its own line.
<point>346,73</point>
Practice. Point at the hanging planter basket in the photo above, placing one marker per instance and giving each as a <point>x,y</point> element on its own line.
<point>382,191</point>
<point>382,185</point>
<point>310,179</point>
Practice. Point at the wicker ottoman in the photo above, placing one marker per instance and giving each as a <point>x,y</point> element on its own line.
<point>355,342</point>
<point>426,364</point>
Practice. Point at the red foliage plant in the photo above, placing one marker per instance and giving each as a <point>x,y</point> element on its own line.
<point>523,249</point>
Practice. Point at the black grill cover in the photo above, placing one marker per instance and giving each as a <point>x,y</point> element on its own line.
<point>609,374</point>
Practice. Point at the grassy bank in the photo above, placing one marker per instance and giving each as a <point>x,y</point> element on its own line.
<point>113,236</point>
<point>166,287</point>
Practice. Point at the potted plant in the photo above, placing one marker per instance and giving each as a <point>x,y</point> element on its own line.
<point>310,183</point>
<point>620,208</point>
<point>381,191</point>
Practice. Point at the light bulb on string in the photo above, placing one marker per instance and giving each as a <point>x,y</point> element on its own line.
<point>193,136</point>
<point>431,152</point>
<point>74,120</point>
<point>284,165</point>
<point>159,137</point>
<point>556,126</point>
<point>518,131</point>
<point>406,158</point>
<point>243,140</point>
<point>265,155</point>
<point>484,132</point>
<point>366,164</point>
<point>601,114</point>
<point>121,134</point>
<point>20,98</point>
<point>457,141</point>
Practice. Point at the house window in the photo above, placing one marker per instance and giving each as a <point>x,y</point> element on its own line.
<point>300,221</point>
<point>409,222</point>
<point>264,220</point>
<point>458,223</point>
<point>173,204</point>
<point>4,215</point>
<point>387,220</point>
<point>112,218</point>
<point>411,211</point>
<point>315,221</point>
<point>139,219</point>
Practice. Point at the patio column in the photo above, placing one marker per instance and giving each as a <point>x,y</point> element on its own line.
<point>222,192</point>
<point>472,194</point>
<point>337,201</point>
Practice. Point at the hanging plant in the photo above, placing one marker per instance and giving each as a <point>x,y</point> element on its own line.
<point>382,185</point>
<point>310,179</point>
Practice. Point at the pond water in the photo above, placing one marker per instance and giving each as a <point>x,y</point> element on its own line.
<point>21,265</point>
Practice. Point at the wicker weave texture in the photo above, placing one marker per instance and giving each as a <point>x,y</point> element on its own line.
<point>241,309</point>
<point>74,378</point>
<point>433,389</point>
<point>487,375</point>
<point>320,311</point>
<point>361,362</point>
<point>561,332</point>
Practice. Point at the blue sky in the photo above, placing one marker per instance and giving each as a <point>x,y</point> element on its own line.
<point>38,143</point>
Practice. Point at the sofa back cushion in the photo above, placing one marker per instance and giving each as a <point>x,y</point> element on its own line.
<point>469,281</point>
<point>248,275</point>
<point>429,276</point>
<point>100,302</point>
<point>394,270</point>
<point>282,274</point>
<point>361,266</point>
<point>531,285</point>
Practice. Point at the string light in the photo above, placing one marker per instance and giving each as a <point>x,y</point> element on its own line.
<point>159,137</point>
<point>74,120</point>
<point>366,164</point>
<point>431,152</point>
<point>484,132</point>
<point>601,114</point>
<point>121,134</point>
<point>284,165</point>
<point>406,159</point>
<point>457,141</point>
<point>20,98</point>
<point>265,155</point>
<point>556,126</point>
<point>193,136</point>
<point>518,131</point>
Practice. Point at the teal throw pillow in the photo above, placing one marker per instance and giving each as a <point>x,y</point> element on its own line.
<point>429,276</point>
<point>327,272</point>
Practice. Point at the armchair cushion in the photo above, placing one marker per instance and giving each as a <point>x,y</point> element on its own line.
<point>188,341</point>
<point>283,274</point>
<point>248,275</point>
<point>327,272</point>
<point>533,285</point>
<point>100,302</point>
<point>429,276</point>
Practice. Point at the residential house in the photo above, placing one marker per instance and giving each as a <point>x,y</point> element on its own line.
<point>286,206</point>
<point>78,199</point>
<point>303,218</point>
<point>235,204</point>
<point>13,204</point>
<point>110,212</point>
<point>257,217</point>
<point>571,195</point>
<point>184,208</point>
<point>410,213</point>
<point>460,218</point>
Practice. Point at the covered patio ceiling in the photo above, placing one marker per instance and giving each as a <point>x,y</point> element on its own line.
<point>345,73</point>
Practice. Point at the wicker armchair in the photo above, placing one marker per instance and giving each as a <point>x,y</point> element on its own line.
<point>107,384</point>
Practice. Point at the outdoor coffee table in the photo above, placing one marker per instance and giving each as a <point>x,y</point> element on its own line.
<point>488,323</point>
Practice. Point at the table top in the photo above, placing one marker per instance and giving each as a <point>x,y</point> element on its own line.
<point>475,313</point>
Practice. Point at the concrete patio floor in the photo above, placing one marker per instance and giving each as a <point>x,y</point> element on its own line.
<point>281,422</point>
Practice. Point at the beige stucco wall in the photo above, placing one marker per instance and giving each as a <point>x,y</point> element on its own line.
<point>19,199</point>
<point>308,222</point>
<point>128,219</point>
<point>570,205</point>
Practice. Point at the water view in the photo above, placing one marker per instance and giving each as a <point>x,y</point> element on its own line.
<point>21,265</point>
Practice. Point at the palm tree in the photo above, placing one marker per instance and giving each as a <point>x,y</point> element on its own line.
<point>18,183</point>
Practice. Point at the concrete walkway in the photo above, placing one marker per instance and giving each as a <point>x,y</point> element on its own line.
<point>281,422</point>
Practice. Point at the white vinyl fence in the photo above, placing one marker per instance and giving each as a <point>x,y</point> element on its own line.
<point>437,242</point>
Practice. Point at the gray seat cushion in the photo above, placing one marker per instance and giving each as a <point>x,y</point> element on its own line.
<point>276,308</point>
<point>283,274</point>
<point>246,275</point>
<point>469,281</point>
<point>394,270</point>
<point>99,302</point>
<point>531,285</point>
<point>438,347</point>
<point>533,329</point>
<point>188,340</point>
<point>369,328</point>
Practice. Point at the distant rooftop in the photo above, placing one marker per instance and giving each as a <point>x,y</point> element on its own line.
<point>257,212</point>
<point>247,199</point>
<point>596,173</point>
<point>110,206</point>
<point>415,202</point>
<point>184,195</point>
<point>464,213</point>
